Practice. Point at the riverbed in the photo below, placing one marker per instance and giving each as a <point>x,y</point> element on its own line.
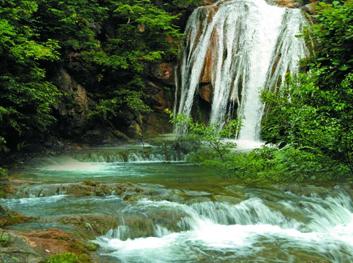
<point>164,209</point>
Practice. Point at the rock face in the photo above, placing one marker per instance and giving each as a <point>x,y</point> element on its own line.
<point>163,72</point>
<point>75,103</point>
<point>159,88</point>
<point>205,93</point>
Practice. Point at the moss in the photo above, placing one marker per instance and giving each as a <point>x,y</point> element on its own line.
<point>5,239</point>
<point>3,172</point>
<point>68,258</point>
<point>11,218</point>
<point>92,246</point>
<point>3,182</point>
<point>64,258</point>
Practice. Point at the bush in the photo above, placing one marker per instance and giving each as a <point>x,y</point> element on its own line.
<point>268,165</point>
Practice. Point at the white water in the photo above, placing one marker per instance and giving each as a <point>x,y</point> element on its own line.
<point>251,45</point>
<point>219,231</point>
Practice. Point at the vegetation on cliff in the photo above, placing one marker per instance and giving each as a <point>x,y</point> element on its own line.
<point>104,45</point>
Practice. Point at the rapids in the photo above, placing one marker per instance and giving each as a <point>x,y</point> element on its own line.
<point>179,212</point>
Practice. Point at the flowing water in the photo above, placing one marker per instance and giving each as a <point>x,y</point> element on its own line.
<point>187,213</point>
<point>245,46</point>
<point>167,210</point>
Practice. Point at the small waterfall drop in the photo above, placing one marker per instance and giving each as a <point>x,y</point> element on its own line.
<point>240,47</point>
<point>251,230</point>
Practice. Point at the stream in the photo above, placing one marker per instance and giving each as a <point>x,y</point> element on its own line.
<point>174,211</point>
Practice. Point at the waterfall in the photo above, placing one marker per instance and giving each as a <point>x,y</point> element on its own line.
<point>239,47</point>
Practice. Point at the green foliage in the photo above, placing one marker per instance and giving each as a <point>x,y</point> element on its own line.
<point>64,258</point>
<point>26,97</point>
<point>272,165</point>
<point>104,45</point>
<point>206,135</point>
<point>3,172</point>
<point>315,110</point>
<point>108,109</point>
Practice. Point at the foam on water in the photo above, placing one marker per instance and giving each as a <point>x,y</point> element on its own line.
<point>32,200</point>
<point>244,229</point>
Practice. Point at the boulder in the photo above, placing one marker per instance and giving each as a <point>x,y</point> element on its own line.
<point>15,248</point>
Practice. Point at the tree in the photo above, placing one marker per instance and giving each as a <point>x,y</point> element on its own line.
<point>26,97</point>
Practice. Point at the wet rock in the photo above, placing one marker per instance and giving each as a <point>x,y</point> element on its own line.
<point>163,72</point>
<point>74,106</point>
<point>76,189</point>
<point>87,226</point>
<point>290,3</point>
<point>17,249</point>
<point>144,220</point>
<point>310,8</point>
<point>103,136</point>
<point>37,246</point>
<point>151,192</point>
<point>158,98</point>
<point>227,199</point>
<point>287,3</point>
<point>206,75</point>
<point>208,2</point>
<point>54,241</point>
<point>134,130</point>
<point>127,191</point>
<point>306,190</point>
<point>8,217</point>
<point>205,93</point>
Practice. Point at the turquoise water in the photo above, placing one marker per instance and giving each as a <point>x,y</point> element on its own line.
<point>173,211</point>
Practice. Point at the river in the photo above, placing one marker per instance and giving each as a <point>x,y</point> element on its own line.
<point>174,211</point>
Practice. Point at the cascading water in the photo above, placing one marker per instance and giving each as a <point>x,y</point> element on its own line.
<point>293,228</point>
<point>179,212</point>
<point>244,46</point>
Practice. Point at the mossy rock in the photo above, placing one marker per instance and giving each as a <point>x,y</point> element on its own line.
<point>5,239</point>
<point>8,218</point>
<point>68,258</point>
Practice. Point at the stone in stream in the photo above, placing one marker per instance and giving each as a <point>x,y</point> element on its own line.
<point>87,226</point>
<point>8,217</point>
<point>127,191</point>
